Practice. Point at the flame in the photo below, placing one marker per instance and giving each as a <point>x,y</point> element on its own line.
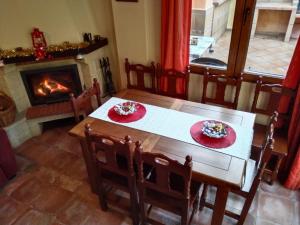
<point>49,86</point>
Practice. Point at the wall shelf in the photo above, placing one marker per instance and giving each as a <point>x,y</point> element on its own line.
<point>70,53</point>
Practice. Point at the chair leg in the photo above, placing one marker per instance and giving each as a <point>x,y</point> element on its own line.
<point>184,216</point>
<point>248,203</point>
<point>102,201</point>
<point>203,197</point>
<point>102,198</point>
<point>134,208</point>
<point>276,169</point>
<point>195,207</point>
<point>142,209</point>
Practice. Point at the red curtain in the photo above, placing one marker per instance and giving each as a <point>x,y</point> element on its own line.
<point>292,81</point>
<point>175,36</point>
<point>293,181</point>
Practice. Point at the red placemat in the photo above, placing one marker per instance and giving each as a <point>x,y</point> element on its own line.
<point>198,136</point>
<point>137,115</point>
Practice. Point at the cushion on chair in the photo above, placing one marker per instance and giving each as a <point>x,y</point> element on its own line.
<point>251,170</point>
<point>7,157</point>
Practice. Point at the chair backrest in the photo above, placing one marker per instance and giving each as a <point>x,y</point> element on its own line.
<point>168,176</point>
<point>221,82</point>
<point>140,71</point>
<point>116,155</point>
<point>275,92</point>
<point>172,83</point>
<point>83,102</point>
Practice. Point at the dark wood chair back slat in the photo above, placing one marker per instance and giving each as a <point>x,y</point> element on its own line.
<point>168,82</point>
<point>275,92</point>
<point>167,184</point>
<point>221,82</point>
<point>117,154</point>
<point>83,102</point>
<point>163,168</point>
<point>140,71</point>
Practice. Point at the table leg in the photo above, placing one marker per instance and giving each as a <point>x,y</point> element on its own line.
<point>88,163</point>
<point>220,205</point>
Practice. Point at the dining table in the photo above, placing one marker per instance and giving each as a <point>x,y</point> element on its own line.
<point>225,168</point>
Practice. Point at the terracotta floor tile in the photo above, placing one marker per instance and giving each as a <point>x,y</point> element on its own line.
<point>203,217</point>
<point>105,218</point>
<point>16,182</point>
<point>34,217</point>
<point>77,169</point>
<point>10,210</point>
<point>76,212</point>
<point>51,137</point>
<point>85,193</point>
<point>278,189</point>
<point>48,175</point>
<point>275,209</point>
<point>56,222</point>
<point>37,152</point>
<point>60,160</point>
<point>28,191</point>
<point>51,199</point>
<point>260,46</point>
<point>23,163</point>
<point>260,221</point>
<point>69,144</point>
<point>27,144</point>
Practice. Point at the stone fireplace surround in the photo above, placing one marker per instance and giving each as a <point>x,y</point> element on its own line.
<point>12,84</point>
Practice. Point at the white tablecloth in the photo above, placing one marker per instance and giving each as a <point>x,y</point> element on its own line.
<point>175,124</point>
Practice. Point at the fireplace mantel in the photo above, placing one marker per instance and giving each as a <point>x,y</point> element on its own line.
<point>59,55</point>
<point>11,83</point>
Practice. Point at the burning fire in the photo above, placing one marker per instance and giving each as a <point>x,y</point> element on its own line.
<point>50,86</point>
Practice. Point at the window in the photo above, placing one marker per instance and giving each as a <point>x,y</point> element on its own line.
<point>243,37</point>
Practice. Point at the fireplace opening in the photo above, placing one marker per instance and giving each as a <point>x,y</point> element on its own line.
<point>53,84</point>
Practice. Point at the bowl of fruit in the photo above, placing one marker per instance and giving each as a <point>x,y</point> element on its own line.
<point>214,129</point>
<point>125,108</point>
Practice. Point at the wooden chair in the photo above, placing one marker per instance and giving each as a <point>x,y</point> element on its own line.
<point>274,92</point>
<point>254,173</point>
<point>82,105</point>
<point>168,82</point>
<point>221,82</point>
<point>141,72</point>
<point>113,165</point>
<point>168,186</point>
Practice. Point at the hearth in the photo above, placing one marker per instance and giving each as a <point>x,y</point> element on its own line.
<point>53,84</point>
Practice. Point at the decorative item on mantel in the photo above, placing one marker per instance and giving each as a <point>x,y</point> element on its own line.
<point>66,49</point>
<point>7,110</point>
<point>39,43</point>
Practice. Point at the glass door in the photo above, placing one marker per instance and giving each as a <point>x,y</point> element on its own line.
<point>212,32</point>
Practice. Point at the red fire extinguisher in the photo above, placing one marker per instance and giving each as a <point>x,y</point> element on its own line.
<point>39,43</point>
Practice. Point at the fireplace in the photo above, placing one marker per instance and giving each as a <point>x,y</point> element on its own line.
<point>53,84</point>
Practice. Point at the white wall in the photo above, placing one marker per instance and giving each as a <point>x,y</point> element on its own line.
<point>60,20</point>
<point>137,29</point>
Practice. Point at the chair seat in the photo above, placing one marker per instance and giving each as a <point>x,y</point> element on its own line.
<point>251,170</point>
<point>280,135</point>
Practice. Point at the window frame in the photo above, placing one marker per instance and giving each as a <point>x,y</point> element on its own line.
<point>239,44</point>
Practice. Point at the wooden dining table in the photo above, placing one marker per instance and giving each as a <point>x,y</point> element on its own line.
<point>224,171</point>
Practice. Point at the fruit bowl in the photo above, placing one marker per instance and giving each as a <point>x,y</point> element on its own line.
<point>125,108</point>
<point>214,129</point>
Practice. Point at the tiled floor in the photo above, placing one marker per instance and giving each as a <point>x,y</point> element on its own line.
<point>51,189</point>
<point>265,54</point>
